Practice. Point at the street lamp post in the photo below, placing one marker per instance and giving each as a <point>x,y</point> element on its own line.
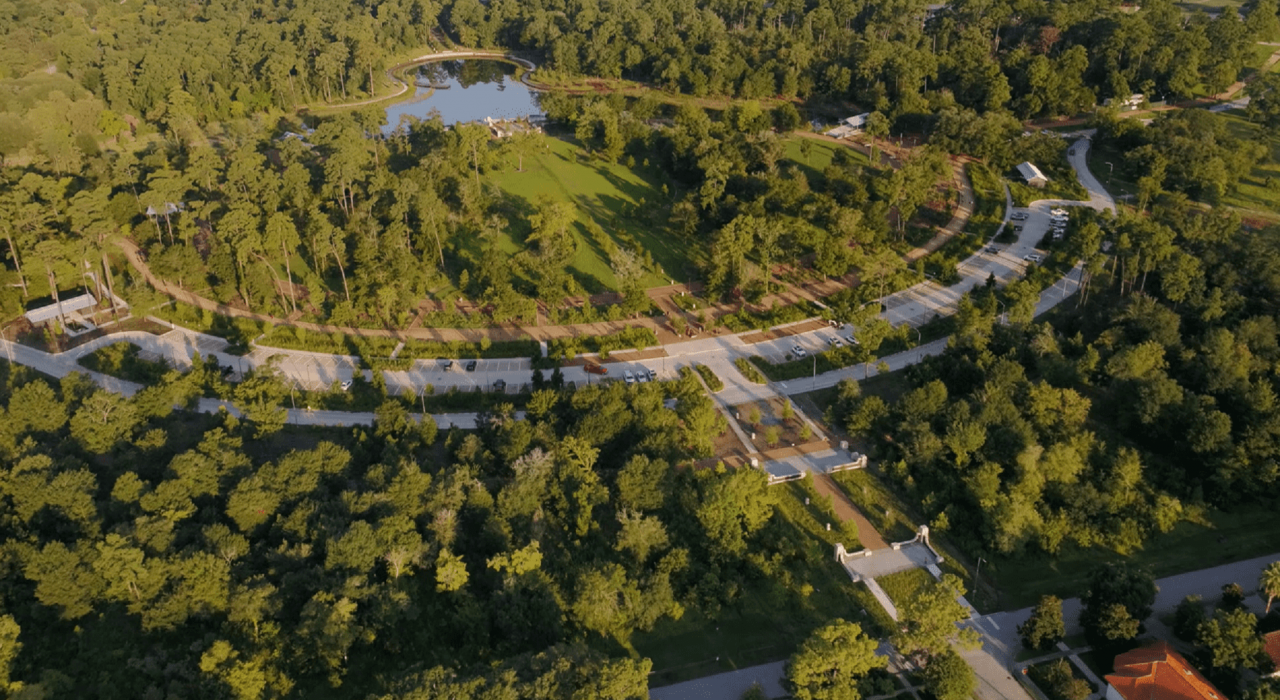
<point>815,365</point>
<point>977,583</point>
<point>1110,169</point>
<point>1002,310</point>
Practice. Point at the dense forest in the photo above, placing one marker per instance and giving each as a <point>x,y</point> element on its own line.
<point>1113,421</point>
<point>108,115</point>
<point>158,553</point>
<point>1035,58</point>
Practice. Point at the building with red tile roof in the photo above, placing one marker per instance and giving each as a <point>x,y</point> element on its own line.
<point>1271,644</point>
<point>1157,672</point>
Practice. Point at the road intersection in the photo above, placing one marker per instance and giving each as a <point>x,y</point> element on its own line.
<point>309,370</point>
<point>914,307</point>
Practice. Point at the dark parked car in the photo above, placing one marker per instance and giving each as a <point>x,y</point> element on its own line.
<point>500,385</point>
<point>596,369</point>
<point>445,364</point>
<point>471,366</point>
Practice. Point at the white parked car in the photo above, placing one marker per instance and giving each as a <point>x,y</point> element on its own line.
<point>653,375</point>
<point>1033,257</point>
<point>835,341</point>
<point>629,376</point>
<point>345,385</point>
<point>1019,216</point>
<point>642,375</point>
<point>798,351</point>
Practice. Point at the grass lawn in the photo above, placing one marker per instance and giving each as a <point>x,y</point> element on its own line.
<point>1208,5</point>
<point>988,209</point>
<point>1252,193</point>
<point>623,201</point>
<point>821,153</point>
<point>1249,532</point>
<point>1115,178</point>
<point>772,615</point>
<point>903,586</point>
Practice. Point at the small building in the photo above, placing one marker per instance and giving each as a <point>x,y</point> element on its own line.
<point>1271,645</point>
<point>857,122</point>
<point>843,131</point>
<point>1032,174</point>
<point>1126,104</point>
<point>1157,672</point>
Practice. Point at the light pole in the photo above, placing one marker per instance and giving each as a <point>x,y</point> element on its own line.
<point>977,583</point>
<point>815,366</point>
<point>1002,310</point>
<point>1110,169</point>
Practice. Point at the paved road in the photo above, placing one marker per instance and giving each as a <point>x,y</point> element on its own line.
<point>1001,629</point>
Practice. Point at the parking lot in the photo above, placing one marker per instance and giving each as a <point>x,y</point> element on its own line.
<point>811,342</point>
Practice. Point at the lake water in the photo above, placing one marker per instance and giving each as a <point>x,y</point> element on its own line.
<point>476,89</point>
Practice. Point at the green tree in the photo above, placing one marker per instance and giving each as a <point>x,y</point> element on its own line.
<point>949,677</point>
<point>734,505</point>
<point>259,397</point>
<point>1188,617</point>
<point>1111,585</point>
<point>103,421</point>
<point>1059,682</point>
<point>830,662</point>
<point>1232,641</point>
<point>1117,625</point>
<point>1045,628</point>
<point>930,617</point>
<point>34,407</point>
<point>1269,583</point>
<point>10,646</point>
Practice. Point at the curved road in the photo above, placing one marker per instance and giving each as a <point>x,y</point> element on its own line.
<point>316,370</point>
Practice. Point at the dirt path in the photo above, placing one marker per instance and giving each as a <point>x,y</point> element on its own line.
<point>811,290</point>
<point>959,218</point>
<point>846,511</point>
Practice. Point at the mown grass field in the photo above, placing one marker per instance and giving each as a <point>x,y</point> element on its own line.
<point>819,156</point>
<point>621,200</point>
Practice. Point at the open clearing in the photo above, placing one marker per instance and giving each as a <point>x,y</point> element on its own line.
<point>820,155</point>
<point>623,201</point>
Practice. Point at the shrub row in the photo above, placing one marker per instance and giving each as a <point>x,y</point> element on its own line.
<point>710,378</point>
<point>633,337</point>
<point>746,320</point>
<point>749,371</point>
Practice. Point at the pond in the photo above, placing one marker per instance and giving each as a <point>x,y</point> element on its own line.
<point>465,91</point>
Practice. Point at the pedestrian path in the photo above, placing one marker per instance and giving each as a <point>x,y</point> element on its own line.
<point>727,686</point>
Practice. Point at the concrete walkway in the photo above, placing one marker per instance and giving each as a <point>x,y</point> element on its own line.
<point>727,686</point>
